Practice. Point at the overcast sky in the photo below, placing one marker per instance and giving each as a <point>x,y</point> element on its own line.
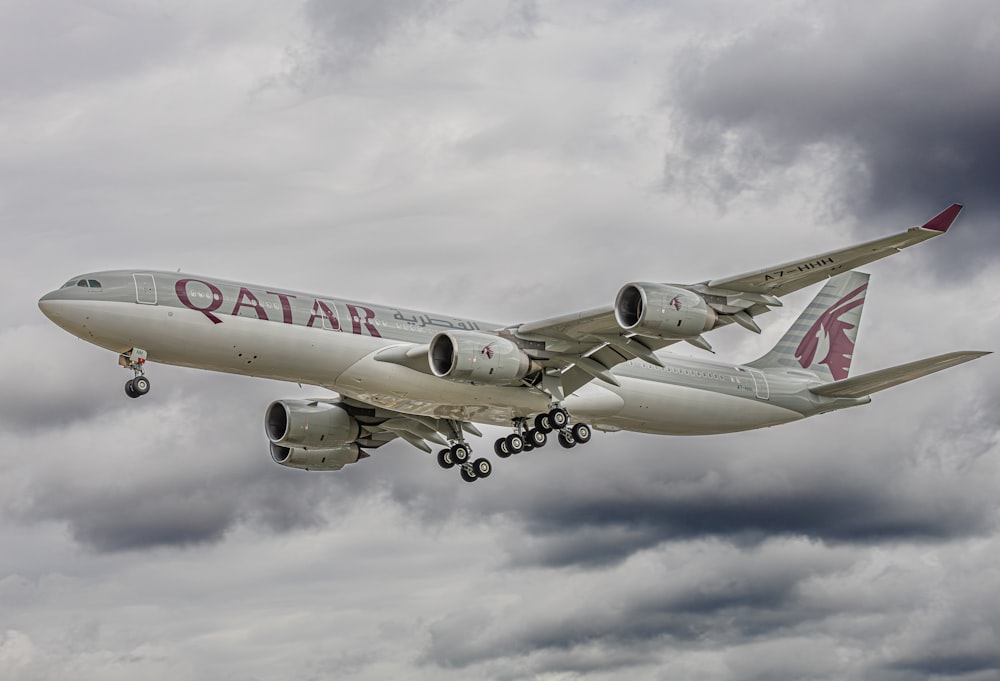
<point>508,160</point>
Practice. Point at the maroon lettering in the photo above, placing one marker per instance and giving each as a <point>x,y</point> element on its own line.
<point>251,301</point>
<point>181,288</point>
<point>357,321</point>
<point>320,310</point>
<point>286,306</point>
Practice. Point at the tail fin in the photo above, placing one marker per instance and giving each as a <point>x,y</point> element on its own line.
<point>822,339</point>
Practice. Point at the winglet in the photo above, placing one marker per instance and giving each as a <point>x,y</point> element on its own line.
<point>942,221</point>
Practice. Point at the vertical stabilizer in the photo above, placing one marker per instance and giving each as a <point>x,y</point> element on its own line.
<point>822,339</point>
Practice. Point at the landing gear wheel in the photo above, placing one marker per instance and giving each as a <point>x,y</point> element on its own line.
<point>543,424</point>
<point>566,441</point>
<point>558,417</point>
<point>130,389</point>
<point>515,443</point>
<point>500,448</point>
<point>528,446</point>
<point>460,453</point>
<point>444,459</point>
<point>482,468</point>
<point>468,474</point>
<point>140,385</point>
<point>581,433</point>
<point>537,437</point>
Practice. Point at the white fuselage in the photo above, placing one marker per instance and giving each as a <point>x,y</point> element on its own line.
<point>260,333</point>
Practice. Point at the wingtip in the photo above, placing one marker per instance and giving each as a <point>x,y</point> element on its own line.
<point>942,221</point>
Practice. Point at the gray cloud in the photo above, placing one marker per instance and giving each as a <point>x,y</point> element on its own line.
<point>899,105</point>
<point>347,35</point>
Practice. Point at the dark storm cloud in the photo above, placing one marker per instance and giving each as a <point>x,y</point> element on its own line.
<point>708,493</point>
<point>905,99</point>
<point>141,476</point>
<point>347,34</point>
<point>949,663</point>
<point>753,595</point>
<point>183,508</point>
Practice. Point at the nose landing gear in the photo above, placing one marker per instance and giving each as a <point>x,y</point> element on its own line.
<point>135,359</point>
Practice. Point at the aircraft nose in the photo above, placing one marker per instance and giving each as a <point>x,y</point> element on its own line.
<point>49,303</point>
<point>45,302</point>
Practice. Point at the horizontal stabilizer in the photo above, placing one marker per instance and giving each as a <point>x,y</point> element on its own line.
<point>866,384</point>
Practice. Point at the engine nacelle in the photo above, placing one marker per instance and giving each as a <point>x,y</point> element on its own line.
<point>663,311</point>
<point>332,459</point>
<point>473,357</point>
<point>304,423</point>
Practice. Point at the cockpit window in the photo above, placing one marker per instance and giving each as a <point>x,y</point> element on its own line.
<point>83,283</point>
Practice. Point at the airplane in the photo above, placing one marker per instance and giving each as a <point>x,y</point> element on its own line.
<point>427,379</point>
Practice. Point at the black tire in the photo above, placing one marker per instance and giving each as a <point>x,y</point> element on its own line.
<point>537,437</point>
<point>500,448</point>
<point>444,459</point>
<point>460,453</point>
<point>467,474</point>
<point>515,443</point>
<point>130,390</point>
<point>528,446</point>
<point>140,385</point>
<point>567,442</point>
<point>558,417</point>
<point>482,468</point>
<point>582,433</point>
<point>543,424</point>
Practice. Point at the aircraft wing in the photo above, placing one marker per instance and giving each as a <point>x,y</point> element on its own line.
<point>792,276</point>
<point>380,425</point>
<point>586,345</point>
<point>866,384</point>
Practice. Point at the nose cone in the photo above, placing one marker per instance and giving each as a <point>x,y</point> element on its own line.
<point>47,303</point>
<point>58,307</point>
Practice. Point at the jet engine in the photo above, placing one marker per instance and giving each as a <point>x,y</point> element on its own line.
<point>305,423</point>
<point>663,311</point>
<point>472,357</point>
<point>332,459</point>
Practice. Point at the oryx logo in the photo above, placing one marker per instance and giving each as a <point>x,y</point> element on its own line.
<point>488,351</point>
<point>675,302</point>
<point>829,333</point>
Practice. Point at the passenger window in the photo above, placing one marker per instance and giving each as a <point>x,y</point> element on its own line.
<point>82,282</point>
<point>94,283</point>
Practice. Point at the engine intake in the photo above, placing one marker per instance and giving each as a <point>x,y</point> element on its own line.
<point>663,311</point>
<point>303,423</point>
<point>472,357</point>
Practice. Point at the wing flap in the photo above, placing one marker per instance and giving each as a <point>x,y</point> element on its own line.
<point>866,384</point>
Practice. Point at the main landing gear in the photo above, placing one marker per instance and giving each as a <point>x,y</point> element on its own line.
<point>527,437</point>
<point>460,454</point>
<point>135,359</point>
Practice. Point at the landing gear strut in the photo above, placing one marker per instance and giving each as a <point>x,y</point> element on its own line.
<point>135,359</point>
